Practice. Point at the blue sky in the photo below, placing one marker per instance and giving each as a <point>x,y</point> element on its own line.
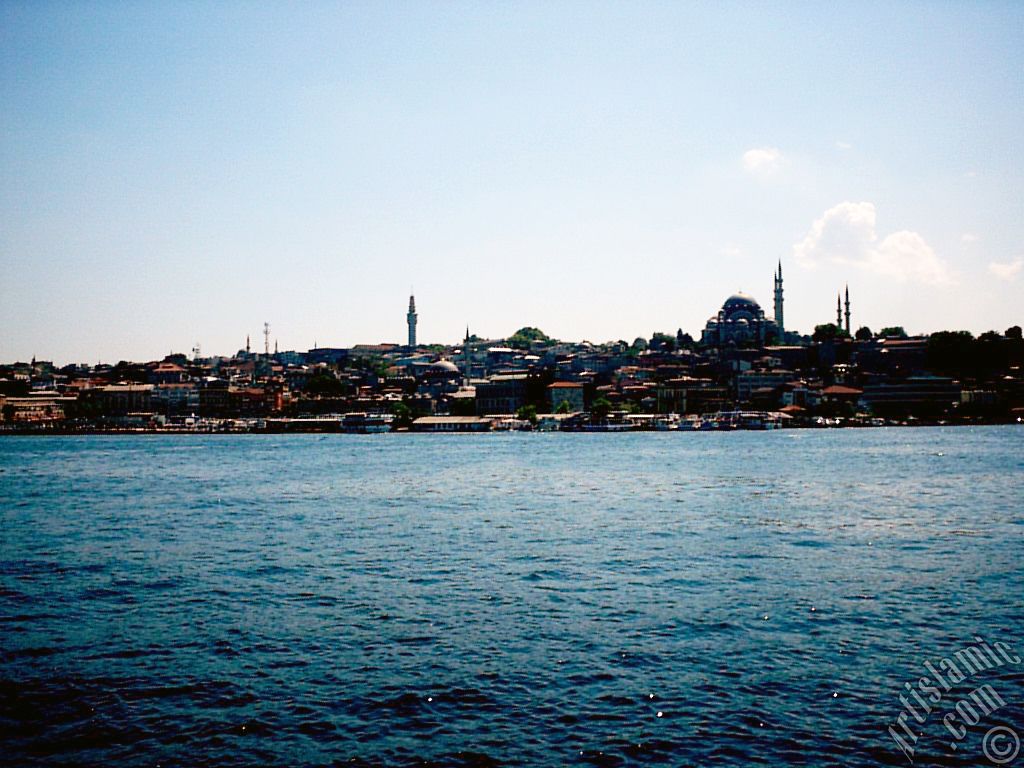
<point>173,173</point>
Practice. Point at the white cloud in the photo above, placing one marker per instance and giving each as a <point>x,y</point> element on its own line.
<point>844,145</point>
<point>1006,270</point>
<point>846,234</point>
<point>969,237</point>
<point>762,161</point>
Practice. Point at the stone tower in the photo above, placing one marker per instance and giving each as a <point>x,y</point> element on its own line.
<point>778,305</point>
<point>411,320</point>
<point>848,310</point>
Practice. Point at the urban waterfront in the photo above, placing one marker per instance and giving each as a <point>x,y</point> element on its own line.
<point>503,599</point>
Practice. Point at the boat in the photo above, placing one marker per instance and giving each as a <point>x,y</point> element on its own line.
<point>366,423</point>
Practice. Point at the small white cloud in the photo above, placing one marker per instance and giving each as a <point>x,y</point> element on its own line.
<point>730,251</point>
<point>969,237</point>
<point>1006,270</point>
<point>762,161</point>
<point>971,174</point>
<point>846,234</point>
<point>844,145</point>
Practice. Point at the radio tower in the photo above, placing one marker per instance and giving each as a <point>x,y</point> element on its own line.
<point>266,339</point>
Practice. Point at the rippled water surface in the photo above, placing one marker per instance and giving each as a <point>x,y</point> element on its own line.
<point>505,599</point>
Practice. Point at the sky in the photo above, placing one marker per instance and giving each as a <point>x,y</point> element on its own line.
<point>179,173</point>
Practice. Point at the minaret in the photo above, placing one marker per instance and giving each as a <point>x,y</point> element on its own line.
<point>839,312</point>
<point>465,355</point>
<point>847,310</point>
<point>247,349</point>
<point>411,319</point>
<point>778,305</point>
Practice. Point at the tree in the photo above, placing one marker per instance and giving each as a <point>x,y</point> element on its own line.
<point>564,407</point>
<point>528,412</point>
<point>828,332</point>
<point>403,415</point>
<point>1013,332</point>
<point>599,409</point>
<point>951,352</point>
<point>525,337</point>
<point>991,354</point>
<point>323,384</point>
<point>462,406</point>
<point>863,334</point>
<point>893,331</point>
<point>662,341</point>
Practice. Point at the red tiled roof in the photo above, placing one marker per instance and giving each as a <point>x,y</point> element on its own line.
<point>838,389</point>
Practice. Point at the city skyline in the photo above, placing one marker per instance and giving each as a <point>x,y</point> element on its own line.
<point>183,175</point>
<point>842,321</point>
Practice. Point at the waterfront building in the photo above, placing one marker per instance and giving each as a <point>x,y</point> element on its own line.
<point>175,399</point>
<point>122,399</point>
<point>35,409</point>
<point>214,397</point>
<point>501,394</point>
<point>451,424</point>
<point>838,394</point>
<point>687,394</point>
<point>568,392</point>
<point>928,396</point>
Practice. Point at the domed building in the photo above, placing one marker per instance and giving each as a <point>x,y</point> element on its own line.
<point>740,321</point>
<point>443,369</point>
<point>442,377</point>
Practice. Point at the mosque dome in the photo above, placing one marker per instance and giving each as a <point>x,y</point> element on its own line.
<point>741,301</point>
<point>742,321</point>
<point>443,368</point>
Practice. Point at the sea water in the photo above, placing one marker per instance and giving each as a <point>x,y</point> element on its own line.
<point>504,599</point>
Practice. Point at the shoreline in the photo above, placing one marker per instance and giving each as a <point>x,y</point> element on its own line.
<point>142,431</point>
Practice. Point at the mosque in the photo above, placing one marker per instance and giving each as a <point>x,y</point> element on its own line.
<point>742,322</point>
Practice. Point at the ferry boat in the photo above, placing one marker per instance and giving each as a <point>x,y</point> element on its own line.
<point>756,420</point>
<point>366,423</point>
<point>609,426</point>
<point>652,422</point>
